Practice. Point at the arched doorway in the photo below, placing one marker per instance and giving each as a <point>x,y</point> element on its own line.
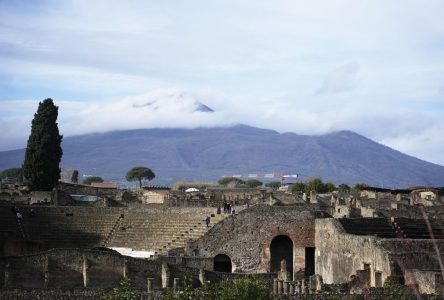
<point>222,263</point>
<point>281,247</point>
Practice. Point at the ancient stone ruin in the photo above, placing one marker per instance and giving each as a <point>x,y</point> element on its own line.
<point>58,245</point>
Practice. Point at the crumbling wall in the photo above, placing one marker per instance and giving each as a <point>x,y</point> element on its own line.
<point>428,282</point>
<point>76,268</point>
<point>340,255</point>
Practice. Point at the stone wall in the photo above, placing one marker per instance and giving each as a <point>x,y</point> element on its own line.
<point>428,282</point>
<point>76,268</point>
<point>340,255</point>
<point>246,237</point>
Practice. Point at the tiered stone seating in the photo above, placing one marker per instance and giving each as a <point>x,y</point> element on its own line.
<point>418,229</point>
<point>155,230</point>
<point>380,227</point>
<point>159,232</point>
<point>57,228</point>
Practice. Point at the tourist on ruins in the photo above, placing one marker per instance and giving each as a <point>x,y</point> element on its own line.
<point>31,212</point>
<point>19,216</point>
<point>233,211</point>
<point>207,220</point>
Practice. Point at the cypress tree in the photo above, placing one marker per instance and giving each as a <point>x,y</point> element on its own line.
<point>43,152</point>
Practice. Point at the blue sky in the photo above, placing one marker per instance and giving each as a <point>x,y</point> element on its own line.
<point>310,67</point>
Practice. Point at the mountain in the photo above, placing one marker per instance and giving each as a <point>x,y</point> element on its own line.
<point>206,154</point>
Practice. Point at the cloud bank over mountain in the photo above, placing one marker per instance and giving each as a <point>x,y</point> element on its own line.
<point>172,108</point>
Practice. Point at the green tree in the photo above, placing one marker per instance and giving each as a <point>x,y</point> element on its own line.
<point>297,187</point>
<point>252,183</point>
<point>273,184</point>
<point>90,179</point>
<point>43,152</point>
<point>15,174</point>
<point>330,187</point>
<point>357,188</point>
<point>139,174</point>
<point>227,180</point>
<point>315,185</point>
<point>344,188</point>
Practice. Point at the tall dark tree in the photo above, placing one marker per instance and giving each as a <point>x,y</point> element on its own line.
<point>43,152</point>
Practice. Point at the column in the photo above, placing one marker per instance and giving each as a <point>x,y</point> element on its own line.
<point>149,285</point>
<point>176,284</point>
<point>124,269</point>
<point>275,286</point>
<point>85,271</point>
<point>202,278</point>
<point>280,284</point>
<point>165,275</point>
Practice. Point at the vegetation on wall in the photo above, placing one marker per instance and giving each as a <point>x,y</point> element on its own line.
<point>125,291</point>
<point>244,288</point>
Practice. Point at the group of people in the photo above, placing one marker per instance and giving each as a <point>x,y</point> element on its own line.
<point>228,209</point>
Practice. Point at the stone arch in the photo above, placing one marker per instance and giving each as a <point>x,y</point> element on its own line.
<point>281,247</point>
<point>222,263</point>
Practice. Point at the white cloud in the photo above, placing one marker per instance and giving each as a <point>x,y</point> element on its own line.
<point>340,79</point>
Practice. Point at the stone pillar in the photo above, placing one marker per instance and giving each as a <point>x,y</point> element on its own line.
<point>291,290</point>
<point>313,197</point>
<point>299,260</point>
<point>176,283</point>
<point>149,285</point>
<point>319,282</point>
<point>6,282</point>
<point>165,274</point>
<point>46,272</point>
<point>202,278</point>
<point>280,283</point>
<point>275,286</point>
<point>124,269</point>
<point>297,288</point>
<point>285,287</point>
<point>85,271</point>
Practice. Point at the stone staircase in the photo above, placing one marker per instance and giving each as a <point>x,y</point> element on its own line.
<point>113,230</point>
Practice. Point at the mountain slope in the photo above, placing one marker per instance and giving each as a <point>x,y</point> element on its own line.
<point>209,153</point>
